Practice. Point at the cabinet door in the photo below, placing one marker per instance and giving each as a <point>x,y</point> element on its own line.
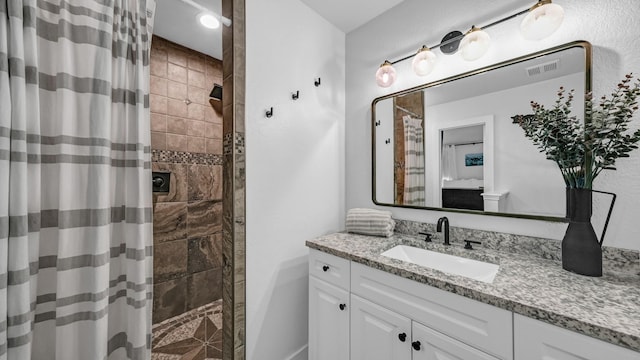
<point>480,325</point>
<point>328,321</point>
<point>535,340</point>
<point>378,333</point>
<point>436,346</point>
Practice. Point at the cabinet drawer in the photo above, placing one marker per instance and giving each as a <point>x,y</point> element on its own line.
<point>536,340</point>
<point>436,346</point>
<point>329,268</point>
<point>482,326</point>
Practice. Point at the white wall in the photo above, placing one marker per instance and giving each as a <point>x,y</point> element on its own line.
<point>295,166</point>
<point>463,136</point>
<point>610,26</point>
<point>464,171</point>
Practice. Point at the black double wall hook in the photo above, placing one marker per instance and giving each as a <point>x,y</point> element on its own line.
<point>269,113</point>
<point>295,95</point>
<point>316,82</point>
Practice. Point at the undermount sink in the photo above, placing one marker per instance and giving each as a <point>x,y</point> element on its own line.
<point>456,265</point>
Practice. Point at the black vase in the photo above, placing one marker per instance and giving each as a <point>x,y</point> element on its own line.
<point>581,250</point>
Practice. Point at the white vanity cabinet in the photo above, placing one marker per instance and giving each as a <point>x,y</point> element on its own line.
<point>481,326</point>
<point>357,312</point>
<point>536,340</point>
<point>378,333</point>
<point>436,346</point>
<point>329,307</point>
<point>328,321</point>
<point>329,268</point>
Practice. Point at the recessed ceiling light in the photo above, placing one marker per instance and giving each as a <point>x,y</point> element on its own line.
<point>209,21</point>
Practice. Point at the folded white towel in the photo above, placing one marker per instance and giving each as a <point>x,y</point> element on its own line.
<point>370,222</point>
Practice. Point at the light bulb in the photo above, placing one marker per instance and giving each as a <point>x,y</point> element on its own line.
<point>386,75</point>
<point>474,44</point>
<point>424,61</point>
<point>209,21</point>
<point>543,19</point>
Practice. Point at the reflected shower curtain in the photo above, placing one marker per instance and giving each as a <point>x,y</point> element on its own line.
<point>413,162</point>
<point>449,165</point>
<point>75,191</point>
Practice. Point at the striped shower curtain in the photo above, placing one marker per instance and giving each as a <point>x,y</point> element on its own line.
<point>413,162</point>
<point>75,196</point>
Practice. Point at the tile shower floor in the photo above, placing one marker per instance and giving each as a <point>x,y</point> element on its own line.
<point>194,335</point>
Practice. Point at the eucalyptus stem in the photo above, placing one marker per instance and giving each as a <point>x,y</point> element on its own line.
<point>583,149</point>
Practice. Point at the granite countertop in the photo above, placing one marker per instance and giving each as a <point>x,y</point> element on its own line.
<point>606,308</point>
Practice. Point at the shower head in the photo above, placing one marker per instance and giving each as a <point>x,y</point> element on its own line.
<point>216,92</point>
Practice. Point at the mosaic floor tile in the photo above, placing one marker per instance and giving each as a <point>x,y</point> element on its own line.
<point>195,335</point>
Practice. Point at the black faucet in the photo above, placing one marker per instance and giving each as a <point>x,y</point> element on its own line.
<point>446,228</point>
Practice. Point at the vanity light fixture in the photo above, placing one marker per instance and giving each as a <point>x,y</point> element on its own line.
<point>542,20</point>
<point>450,42</point>
<point>386,74</point>
<point>424,61</point>
<point>474,44</point>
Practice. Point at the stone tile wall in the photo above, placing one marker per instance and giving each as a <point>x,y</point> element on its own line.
<point>182,119</point>
<point>186,141</point>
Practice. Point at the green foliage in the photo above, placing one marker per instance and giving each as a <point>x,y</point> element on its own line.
<point>583,149</point>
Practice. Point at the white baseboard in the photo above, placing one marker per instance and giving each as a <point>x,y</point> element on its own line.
<point>300,354</point>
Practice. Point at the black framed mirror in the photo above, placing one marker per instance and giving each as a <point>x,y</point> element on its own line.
<point>451,145</point>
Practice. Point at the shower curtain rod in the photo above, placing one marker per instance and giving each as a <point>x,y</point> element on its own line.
<point>467,143</point>
<point>409,112</point>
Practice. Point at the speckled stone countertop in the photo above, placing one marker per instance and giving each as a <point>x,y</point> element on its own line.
<point>606,308</point>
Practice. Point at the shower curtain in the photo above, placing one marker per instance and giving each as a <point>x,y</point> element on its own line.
<point>449,164</point>
<point>75,191</point>
<point>413,162</point>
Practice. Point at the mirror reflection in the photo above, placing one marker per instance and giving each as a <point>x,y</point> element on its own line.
<point>452,144</point>
<point>462,164</point>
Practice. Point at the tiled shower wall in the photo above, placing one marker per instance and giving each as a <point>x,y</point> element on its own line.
<point>179,74</point>
<point>186,141</point>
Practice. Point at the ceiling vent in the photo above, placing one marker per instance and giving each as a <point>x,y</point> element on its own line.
<point>543,68</point>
